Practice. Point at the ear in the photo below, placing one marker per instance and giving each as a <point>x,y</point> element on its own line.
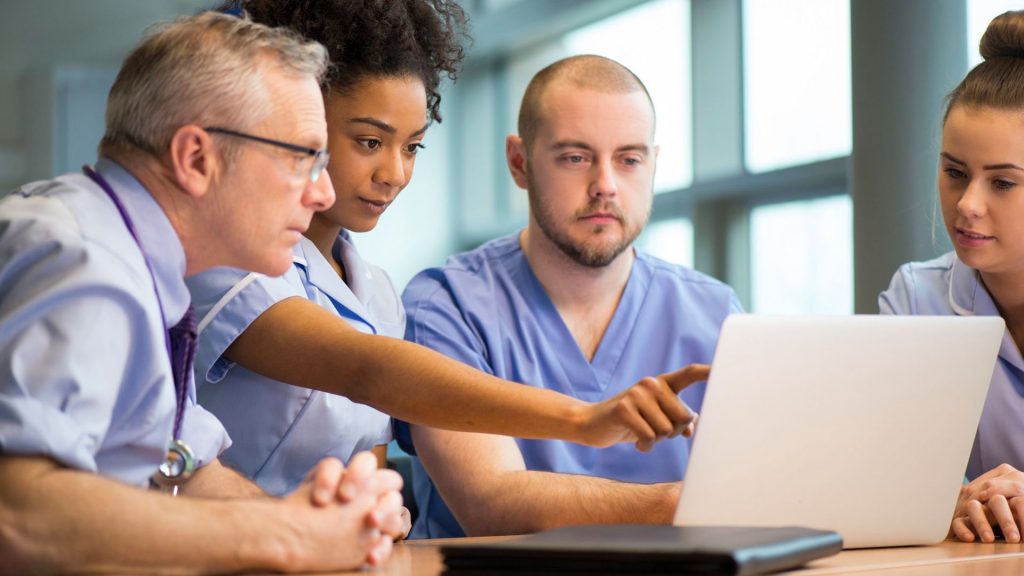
<point>194,160</point>
<point>515,156</point>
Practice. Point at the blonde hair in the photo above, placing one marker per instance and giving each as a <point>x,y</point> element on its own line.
<point>205,69</point>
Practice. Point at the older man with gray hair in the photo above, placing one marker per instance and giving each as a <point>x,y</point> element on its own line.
<point>213,151</point>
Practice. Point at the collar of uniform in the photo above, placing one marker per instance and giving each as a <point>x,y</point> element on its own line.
<point>967,294</point>
<point>321,274</point>
<point>968,297</point>
<point>159,242</point>
<point>358,274</point>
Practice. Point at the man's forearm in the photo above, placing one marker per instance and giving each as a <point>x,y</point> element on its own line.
<point>527,501</point>
<point>53,519</point>
<point>218,481</point>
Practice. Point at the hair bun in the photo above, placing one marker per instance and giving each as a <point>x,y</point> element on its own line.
<point>1004,37</point>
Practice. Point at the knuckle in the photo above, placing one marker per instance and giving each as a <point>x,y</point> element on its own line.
<point>649,384</point>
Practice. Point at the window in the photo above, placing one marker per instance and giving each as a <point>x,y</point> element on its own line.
<point>979,14</point>
<point>670,240</point>
<point>654,39</point>
<point>651,40</point>
<point>802,257</point>
<point>796,57</point>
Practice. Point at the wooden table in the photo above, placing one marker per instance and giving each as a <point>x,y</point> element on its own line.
<point>422,558</point>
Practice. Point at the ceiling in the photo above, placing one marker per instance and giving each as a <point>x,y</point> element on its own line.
<point>42,33</point>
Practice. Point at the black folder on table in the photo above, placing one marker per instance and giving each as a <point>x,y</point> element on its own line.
<point>617,549</point>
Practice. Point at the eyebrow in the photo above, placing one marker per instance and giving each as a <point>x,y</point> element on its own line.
<point>1004,166</point>
<point>563,144</point>
<point>384,125</point>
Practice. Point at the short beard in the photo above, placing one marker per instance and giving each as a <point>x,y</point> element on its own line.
<point>584,253</point>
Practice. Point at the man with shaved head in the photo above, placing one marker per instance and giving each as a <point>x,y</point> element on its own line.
<point>569,304</point>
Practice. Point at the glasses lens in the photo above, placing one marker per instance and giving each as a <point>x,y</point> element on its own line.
<point>319,163</point>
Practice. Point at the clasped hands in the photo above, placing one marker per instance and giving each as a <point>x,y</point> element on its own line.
<point>375,514</point>
<point>994,499</point>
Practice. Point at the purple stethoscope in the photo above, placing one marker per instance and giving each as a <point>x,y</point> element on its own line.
<point>180,462</point>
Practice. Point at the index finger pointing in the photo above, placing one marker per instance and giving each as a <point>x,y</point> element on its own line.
<point>680,379</point>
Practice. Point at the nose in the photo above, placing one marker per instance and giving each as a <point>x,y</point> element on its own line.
<point>972,204</point>
<point>391,171</point>
<point>603,184</point>
<point>319,195</point>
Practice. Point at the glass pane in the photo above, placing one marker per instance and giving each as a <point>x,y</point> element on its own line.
<point>802,257</point>
<point>653,40</point>
<point>796,56</point>
<point>979,14</point>
<point>670,240</point>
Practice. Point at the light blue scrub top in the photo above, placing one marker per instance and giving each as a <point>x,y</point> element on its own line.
<point>487,309</point>
<point>281,431</point>
<point>85,377</point>
<point>944,287</point>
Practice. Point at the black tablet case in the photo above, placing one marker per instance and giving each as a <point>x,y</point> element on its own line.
<point>645,549</point>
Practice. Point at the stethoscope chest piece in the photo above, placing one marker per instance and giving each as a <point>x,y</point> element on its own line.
<point>178,466</point>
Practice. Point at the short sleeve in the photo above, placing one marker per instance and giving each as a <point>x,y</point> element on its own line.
<point>204,434</point>
<point>433,320</point>
<point>69,332</point>
<point>227,301</point>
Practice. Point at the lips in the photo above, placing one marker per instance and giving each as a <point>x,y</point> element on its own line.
<point>377,203</point>
<point>375,207</point>
<point>970,234</point>
<point>601,217</point>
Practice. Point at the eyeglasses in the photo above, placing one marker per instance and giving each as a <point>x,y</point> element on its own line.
<point>320,157</point>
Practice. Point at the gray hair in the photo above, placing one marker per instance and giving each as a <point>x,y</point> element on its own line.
<point>205,70</point>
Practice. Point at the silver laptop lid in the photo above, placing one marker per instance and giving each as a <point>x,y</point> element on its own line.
<point>858,424</point>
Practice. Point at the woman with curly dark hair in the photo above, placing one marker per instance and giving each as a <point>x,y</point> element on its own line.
<point>295,366</point>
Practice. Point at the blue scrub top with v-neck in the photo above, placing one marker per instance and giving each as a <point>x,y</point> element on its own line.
<point>487,309</point>
<point>281,431</point>
<point>946,286</point>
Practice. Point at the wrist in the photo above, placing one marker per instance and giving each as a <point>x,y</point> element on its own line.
<point>669,500</point>
<point>576,414</point>
<point>266,537</point>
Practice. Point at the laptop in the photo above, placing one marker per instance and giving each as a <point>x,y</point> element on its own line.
<point>857,424</point>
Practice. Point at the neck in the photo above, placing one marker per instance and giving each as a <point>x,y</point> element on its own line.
<point>585,297</point>
<point>158,179</point>
<point>568,281</point>
<point>323,234</point>
<point>1008,296</point>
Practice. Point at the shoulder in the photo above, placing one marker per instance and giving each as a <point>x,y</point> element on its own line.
<point>936,267</point>
<point>471,270</point>
<point>679,281</point>
<point>929,275</point>
<point>917,285</point>
<point>61,228</point>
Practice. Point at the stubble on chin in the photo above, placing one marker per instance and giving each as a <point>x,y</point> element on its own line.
<point>596,246</point>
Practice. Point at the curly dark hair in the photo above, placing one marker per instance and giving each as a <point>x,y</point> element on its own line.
<point>373,38</point>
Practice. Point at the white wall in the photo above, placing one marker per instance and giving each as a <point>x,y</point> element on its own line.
<point>41,40</point>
